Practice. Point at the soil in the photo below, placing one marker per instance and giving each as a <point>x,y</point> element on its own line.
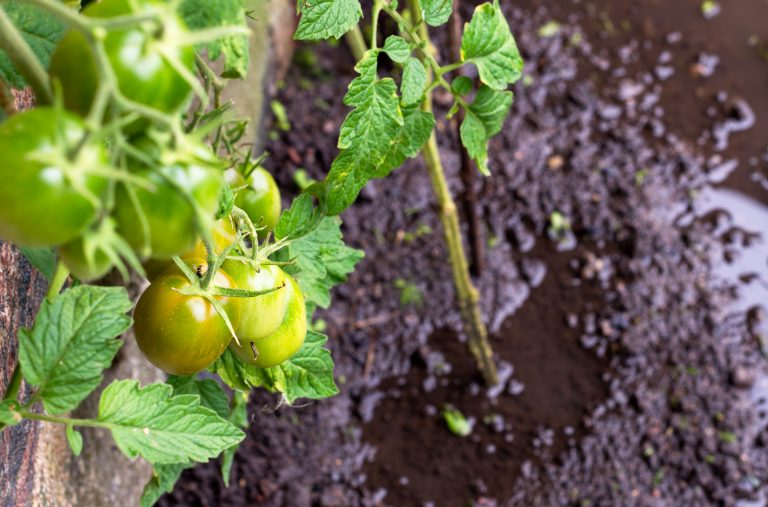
<point>631,342</point>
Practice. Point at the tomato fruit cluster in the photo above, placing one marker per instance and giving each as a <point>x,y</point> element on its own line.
<point>108,175</point>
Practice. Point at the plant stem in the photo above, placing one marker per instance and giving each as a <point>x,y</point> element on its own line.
<point>377,7</point>
<point>66,420</point>
<point>356,42</point>
<point>24,59</point>
<point>467,295</point>
<point>58,281</point>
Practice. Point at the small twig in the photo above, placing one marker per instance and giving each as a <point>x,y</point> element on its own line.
<point>369,356</point>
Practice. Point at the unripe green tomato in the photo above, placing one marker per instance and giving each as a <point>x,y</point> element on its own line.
<point>279,346</point>
<point>170,216</point>
<point>39,205</point>
<point>183,334</point>
<point>260,315</point>
<point>139,58</point>
<point>260,199</point>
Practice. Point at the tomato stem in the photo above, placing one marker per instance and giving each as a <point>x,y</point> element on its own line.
<point>377,7</point>
<point>356,42</point>
<point>24,59</point>
<point>57,282</point>
<point>466,293</point>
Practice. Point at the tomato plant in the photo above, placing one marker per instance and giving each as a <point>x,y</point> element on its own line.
<point>142,172</point>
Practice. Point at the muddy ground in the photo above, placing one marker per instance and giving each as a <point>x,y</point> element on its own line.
<point>632,340</point>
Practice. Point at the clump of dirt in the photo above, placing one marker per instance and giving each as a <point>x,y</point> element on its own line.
<point>629,368</point>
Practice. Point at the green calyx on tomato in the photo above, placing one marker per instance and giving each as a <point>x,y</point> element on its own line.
<point>51,179</point>
<point>146,58</point>
<point>92,255</point>
<point>183,333</point>
<point>185,187</point>
<point>286,340</point>
<point>260,198</point>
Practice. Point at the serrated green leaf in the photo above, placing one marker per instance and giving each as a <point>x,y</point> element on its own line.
<point>482,120</point>
<point>8,413</point>
<point>202,14</point>
<point>75,440</point>
<point>210,392</point>
<point>366,135</point>
<point>414,81</point>
<point>72,342</point>
<point>42,258</point>
<point>462,85</point>
<point>436,12</point>
<point>309,373</point>
<point>226,203</point>
<point>375,138</point>
<point>163,480</point>
<point>298,220</point>
<point>39,28</point>
<point>488,43</point>
<point>322,261</point>
<point>238,375</point>
<point>161,428</point>
<point>397,48</point>
<point>322,19</point>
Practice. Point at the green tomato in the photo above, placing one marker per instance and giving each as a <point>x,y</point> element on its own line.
<point>283,343</point>
<point>44,194</point>
<point>140,56</point>
<point>260,199</point>
<point>183,334</point>
<point>261,315</point>
<point>170,216</point>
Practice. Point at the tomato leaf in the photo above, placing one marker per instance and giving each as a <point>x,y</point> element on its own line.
<point>43,259</point>
<point>375,138</point>
<point>75,440</point>
<point>322,19</point>
<point>483,119</point>
<point>39,28</point>
<point>488,43</point>
<point>72,342</point>
<point>202,14</point>
<point>414,81</point>
<point>300,219</point>
<point>436,12</point>
<point>308,374</point>
<point>8,414</point>
<point>163,429</point>
<point>210,392</point>
<point>322,261</point>
<point>397,49</point>
<point>163,480</point>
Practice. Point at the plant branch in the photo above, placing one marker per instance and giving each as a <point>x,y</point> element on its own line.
<point>356,42</point>
<point>58,281</point>
<point>467,295</point>
<point>66,420</point>
<point>24,59</point>
<point>377,7</point>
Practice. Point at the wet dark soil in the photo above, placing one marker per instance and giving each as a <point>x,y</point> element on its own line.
<point>632,340</point>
